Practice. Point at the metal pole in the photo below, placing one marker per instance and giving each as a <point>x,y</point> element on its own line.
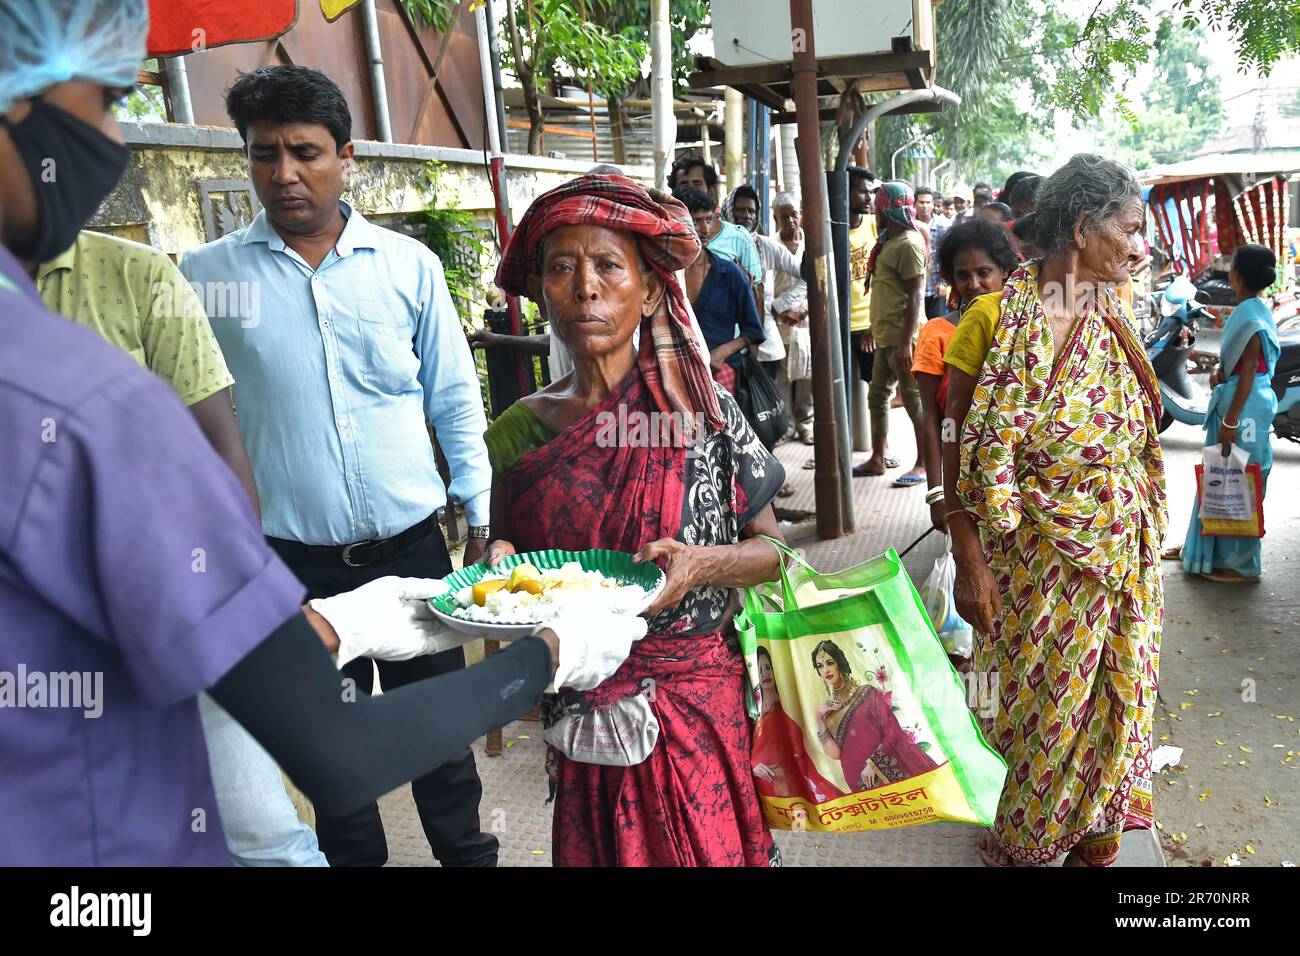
<point>937,179</point>
<point>837,217</point>
<point>494,50</point>
<point>763,172</point>
<point>839,364</point>
<point>866,122</point>
<point>378,89</point>
<point>490,64</point>
<point>826,480</point>
<point>664,123</point>
<point>733,127</point>
<point>178,89</point>
<point>893,160</point>
<point>485,67</point>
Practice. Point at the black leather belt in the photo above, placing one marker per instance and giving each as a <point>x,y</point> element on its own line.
<point>359,554</point>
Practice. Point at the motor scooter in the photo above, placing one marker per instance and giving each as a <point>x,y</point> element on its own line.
<point>1170,348</point>
<point>1286,385</point>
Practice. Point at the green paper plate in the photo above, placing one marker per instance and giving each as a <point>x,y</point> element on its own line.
<point>612,564</point>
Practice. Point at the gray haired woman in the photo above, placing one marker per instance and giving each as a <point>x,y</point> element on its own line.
<point>1054,493</point>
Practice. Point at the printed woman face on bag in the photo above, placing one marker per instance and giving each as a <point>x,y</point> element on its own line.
<point>828,669</point>
<point>594,287</point>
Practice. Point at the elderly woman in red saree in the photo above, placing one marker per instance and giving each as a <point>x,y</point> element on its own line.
<point>684,481</point>
<point>782,767</point>
<point>859,729</point>
<point>1059,473</point>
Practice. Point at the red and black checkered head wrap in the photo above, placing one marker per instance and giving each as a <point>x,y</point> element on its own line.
<point>671,354</point>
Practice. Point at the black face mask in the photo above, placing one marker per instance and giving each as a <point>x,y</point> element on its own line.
<point>72,165</point>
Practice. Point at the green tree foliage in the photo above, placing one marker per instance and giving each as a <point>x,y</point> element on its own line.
<point>999,57</point>
<point>548,38</point>
<point>1181,108</point>
<point>145,103</point>
<point>631,19</point>
<point>1118,36</point>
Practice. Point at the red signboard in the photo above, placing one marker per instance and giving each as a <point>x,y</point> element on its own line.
<point>189,26</point>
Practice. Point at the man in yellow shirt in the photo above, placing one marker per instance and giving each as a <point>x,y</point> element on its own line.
<point>862,239</point>
<point>135,298</point>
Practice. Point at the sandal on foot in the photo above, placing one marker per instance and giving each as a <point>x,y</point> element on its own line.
<point>1228,577</point>
<point>860,471</point>
<point>988,847</point>
<point>786,490</point>
<point>810,464</point>
<point>907,481</point>
<point>1172,554</point>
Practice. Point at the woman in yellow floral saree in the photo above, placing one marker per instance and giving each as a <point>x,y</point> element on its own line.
<point>1059,473</point>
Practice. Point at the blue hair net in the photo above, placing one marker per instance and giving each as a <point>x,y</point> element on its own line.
<point>44,42</point>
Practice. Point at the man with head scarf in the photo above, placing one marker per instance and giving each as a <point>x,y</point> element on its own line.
<point>896,272</point>
<point>133,573</point>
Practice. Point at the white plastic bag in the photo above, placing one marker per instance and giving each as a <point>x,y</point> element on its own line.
<point>936,595</point>
<point>798,356</point>
<point>1224,491</point>
<point>620,734</point>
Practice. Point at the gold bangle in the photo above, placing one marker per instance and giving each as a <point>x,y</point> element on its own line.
<point>955,511</point>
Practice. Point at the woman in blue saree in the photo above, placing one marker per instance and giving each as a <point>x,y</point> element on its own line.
<point>1241,411</point>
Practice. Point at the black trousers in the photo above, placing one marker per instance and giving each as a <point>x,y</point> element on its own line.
<point>865,360</point>
<point>447,798</point>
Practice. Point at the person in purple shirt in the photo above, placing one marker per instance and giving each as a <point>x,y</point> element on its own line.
<point>133,573</point>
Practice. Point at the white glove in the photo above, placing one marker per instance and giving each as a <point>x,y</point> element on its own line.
<point>387,619</point>
<point>593,644</point>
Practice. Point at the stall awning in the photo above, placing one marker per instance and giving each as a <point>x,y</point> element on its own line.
<point>1255,165</point>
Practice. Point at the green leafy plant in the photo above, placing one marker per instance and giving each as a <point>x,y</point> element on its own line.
<point>1181,108</point>
<point>432,13</point>
<point>455,235</point>
<point>463,245</point>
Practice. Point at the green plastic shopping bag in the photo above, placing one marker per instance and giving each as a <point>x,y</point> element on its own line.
<point>860,721</point>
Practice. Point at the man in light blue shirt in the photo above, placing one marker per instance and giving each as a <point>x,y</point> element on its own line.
<point>726,239</point>
<point>732,242</point>
<point>342,337</point>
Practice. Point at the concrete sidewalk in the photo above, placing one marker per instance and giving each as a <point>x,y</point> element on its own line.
<point>514,785</point>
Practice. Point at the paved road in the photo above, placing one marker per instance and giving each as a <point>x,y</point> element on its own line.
<point>1231,654</point>
<point>1228,685</point>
